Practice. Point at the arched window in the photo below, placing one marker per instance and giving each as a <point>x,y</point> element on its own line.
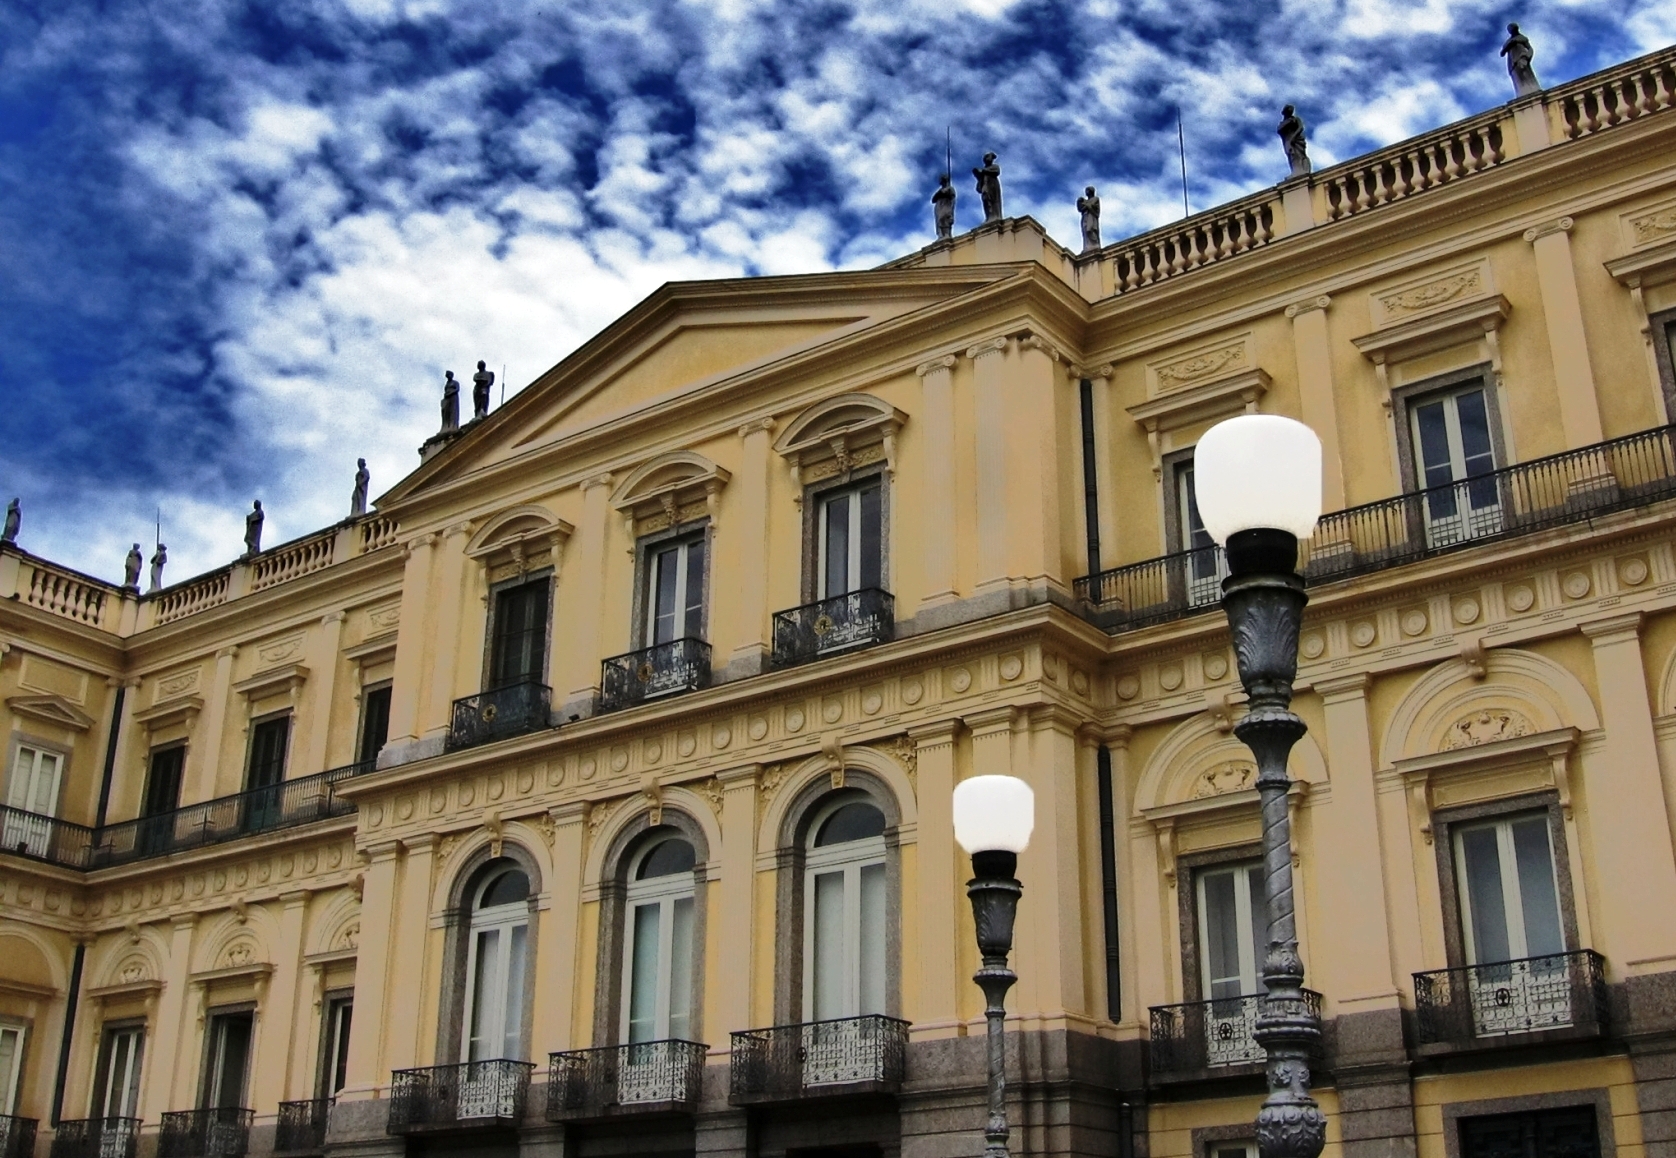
<point>496,959</point>
<point>845,906</point>
<point>658,967</point>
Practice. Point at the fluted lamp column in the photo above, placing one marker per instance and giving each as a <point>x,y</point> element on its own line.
<point>993,818</point>
<point>1258,484</point>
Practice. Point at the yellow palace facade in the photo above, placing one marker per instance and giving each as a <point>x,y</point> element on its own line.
<point>592,795</point>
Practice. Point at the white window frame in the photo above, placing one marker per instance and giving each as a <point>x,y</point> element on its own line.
<point>663,893</point>
<point>501,920</point>
<point>1512,891</point>
<point>127,1080</point>
<point>1468,520</point>
<point>9,1083</point>
<point>27,826</point>
<point>1251,953</point>
<point>682,546</point>
<point>217,1058</point>
<point>851,496</point>
<point>849,858</point>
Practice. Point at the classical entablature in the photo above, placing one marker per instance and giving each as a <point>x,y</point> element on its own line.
<point>837,435</point>
<point>520,539</point>
<point>669,490</point>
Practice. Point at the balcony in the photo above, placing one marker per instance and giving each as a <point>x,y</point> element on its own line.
<point>469,1096</point>
<point>681,665</point>
<point>1519,500</point>
<point>301,1127</point>
<point>1533,1000</point>
<point>644,1078</point>
<point>17,1137</point>
<point>283,805</point>
<point>1199,1040</point>
<point>219,1132</point>
<point>854,1055</point>
<point>96,1138</point>
<point>500,714</point>
<point>830,626</point>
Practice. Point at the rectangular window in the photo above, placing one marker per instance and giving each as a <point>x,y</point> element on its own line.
<point>32,792</point>
<point>162,797</point>
<point>518,653</point>
<point>1233,930</point>
<point>1569,1132</point>
<point>11,1065</point>
<point>266,761</point>
<point>116,1092</point>
<point>1203,566</point>
<point>1232,1150</point>
<point>675,591</point>
<point>375,723</point>
<point>851,540</point>
<point>334,1072</point>
<point>228,1061</point>
<point>1453,453</point>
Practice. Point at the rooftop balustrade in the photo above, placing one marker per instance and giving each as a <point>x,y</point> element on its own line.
<point>643,1077</point>
<point>820,1058</point>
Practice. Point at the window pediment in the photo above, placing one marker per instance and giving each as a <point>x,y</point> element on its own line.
<point>525,535</point>
<point>181,711</point>
<point>669,490</point>
<point>279,681</point>
<point>51,709</point>
<point>838,435</point>
<point>1458,325</point>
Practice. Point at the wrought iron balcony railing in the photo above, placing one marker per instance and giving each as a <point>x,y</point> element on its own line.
<point>1200,1039</point>
<point>644,1077</point>
<point>470,1095</point>
<point>1518,500</point>
<point>500,714</point>
<point>301,1126</point>
<point>1484,1005</point>
<point>17,1137</point>
<point>681,665</point>
<point>96,1138</point>
<point>283,805</point>
<point>853,1054</point>
<point>829,626</point>
<point>218,1132</point>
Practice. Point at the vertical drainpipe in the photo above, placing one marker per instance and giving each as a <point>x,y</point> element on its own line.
<point>110,756</point>
<point>1108,883</point>
<point>68,1037</point>
<point>1090,480</point>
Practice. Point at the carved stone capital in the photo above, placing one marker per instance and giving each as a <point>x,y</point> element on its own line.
<point>418,543</point>
<point>598,480</point>
<point>1560,225</point>
<point>764,425</point>
<point>989,346</point>
<point>1309,305</point>
<point>1092,373</point>
<point>1029,341</point>
<point>946,362</point>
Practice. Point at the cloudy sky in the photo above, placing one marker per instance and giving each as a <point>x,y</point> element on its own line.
<point>241,240</point>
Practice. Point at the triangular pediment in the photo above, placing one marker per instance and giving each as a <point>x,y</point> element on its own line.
<point>50,709</point>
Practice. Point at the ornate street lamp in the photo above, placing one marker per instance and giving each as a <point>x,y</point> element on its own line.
<point>1258,484</point>
<point>993,816</point>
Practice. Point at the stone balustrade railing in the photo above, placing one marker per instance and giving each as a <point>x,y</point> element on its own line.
<point>200,594</point>
<point>60,591</point>
<point>377,531</point>
<point>292,560</point>
<point>1411,167</point>
<point>1630,91</point>
<point>1198,241</point>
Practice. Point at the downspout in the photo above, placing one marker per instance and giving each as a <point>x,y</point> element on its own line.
<point>1108,883</point>
<point>68,1037</point>
<point>110,759</point>
<point>1090,479</point>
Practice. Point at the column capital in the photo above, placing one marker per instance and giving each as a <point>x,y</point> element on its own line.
<point>181,922</point>
<point>1029,340</point>
<point>419,543</point>
<point>939,734</point>
<point>988,723</point>
<point>570,813</point>
<point>1345,687</point>
<point>1092,373</point>
<point>987,346</point>
<point>598,480</point>
<point>330,618</point>
<point>456,530</point>
<point>757,425</point>
<point>1612,629</point>
<point>384,850</point>
<point>228,652</point>
<point>1558,225</point>
<point>932,365</point>
<point>1057,717</point>
<point>1309,305</point>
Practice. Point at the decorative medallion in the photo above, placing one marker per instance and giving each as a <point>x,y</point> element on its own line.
<point>960,679</point>
<point>871,702</point>
<point>619,759</point>
<point>1128,687</point>
<point>1521,598</point>
<point>757,728</point>
<point>1312,645</point>
<point>133,970</point>
<point>1363,633</point>
<point>1466,610</point>
<point>794,719</point>
<point>1079,682</point>
<point>1231,776</point>
<point>832,710</point>
<point>1485,727</point>
<point>1633,572</point>
<point>913,690</point>
<point>686,744</point>
<point>1414,623</point>
<point>722,736</point>
<point>1170,677</point>
<point>1576,585</point>
<point>589,767</point>
<point>653,751</point>
<point>1011,667</point>
<point>1216,665</point>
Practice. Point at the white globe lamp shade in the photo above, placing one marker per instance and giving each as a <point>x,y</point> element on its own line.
<point>993,814</point>
<point>1258,471</point>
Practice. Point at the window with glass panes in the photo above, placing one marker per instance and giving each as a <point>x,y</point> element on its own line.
<point>658,967</point>
<point>31,798</point>
<point>1233,929</point>
<point>334,1070</point>
<point>844,907</point>
<point>850,540</point>
<point>116,1093</point>
<point>1453,452</point>
<point>518,650</point>
<point>675,591</point>
<point>375,722</point>
<point>497,955</point>
<point>1204,568</point>
<point>268,741</point>
<point>228,1063</point>
<point>1510,906</point>
<point>11,1064</point>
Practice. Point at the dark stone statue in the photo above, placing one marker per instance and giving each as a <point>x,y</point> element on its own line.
<point>358,497</point>
<point>450,402</point>
<point>131,568</point>
<point>1519,52</point>
<point>253,529</point>
<point>942,208</point>
<point>989,187</point>
<point>14,520</point>
<point>480,383</point>
<point>1089,206</point>
<point>1292,136</point>
<point>157,562</point>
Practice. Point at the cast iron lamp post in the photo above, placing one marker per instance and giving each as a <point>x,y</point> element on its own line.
<point>1258,484</point>
<point>993,816</point>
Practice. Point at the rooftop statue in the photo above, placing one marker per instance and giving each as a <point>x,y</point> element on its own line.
<point>1519,52</point>
<point>358,497</point>
<point>942,208</point>
<point>253,529</point>
<point>480,383</point>
<point>157,562</point>
<point>1292,137</point>
<point>989,187</point>
<point>450,402</point>
<point>131,568</point>
<point>1089,206</point>
<point>14,519</point>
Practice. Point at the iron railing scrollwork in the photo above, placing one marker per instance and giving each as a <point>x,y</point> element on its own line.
<point>96,1138</point>
<point>479,1093</point>
<point>500,714</point>
<point>17,1136</point>
<point>586,1083</point>
<point>829,626</point>
<point>216,1132</point>
<point>1518,500</point>
<point>1197,1037</point>
<point>791,1061</point>
<point>681,665</point>
<point>301,1126</point>
<point>1465,1005</point>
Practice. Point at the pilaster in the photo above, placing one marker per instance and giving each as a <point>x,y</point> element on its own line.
<point>324,665</point>
<point>935,1008</point>
<point>1314,353</point>
<point>375,1001</point>
<point>283,1030</point>
<point>735,961</point>
<point>204,777</point>
<point>1038,419</point>
<point>407,968</point>
<point>1574,378</point>
<point>448,607</point>
<point>584,598</point>
<point>744,539</point>
<point>164,1081</point>
<point>412,641</point>
<point>940,488</point>
<point>1052,956</point>
<point>989,398</point>
<point>561,940</point>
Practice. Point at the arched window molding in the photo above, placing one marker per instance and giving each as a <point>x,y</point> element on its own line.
<point>670,490</point>
<point>837,435</point>
<point>618,895</point>
<point>459,931</point>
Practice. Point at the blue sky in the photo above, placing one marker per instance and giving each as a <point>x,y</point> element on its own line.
<point>241,241</point>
